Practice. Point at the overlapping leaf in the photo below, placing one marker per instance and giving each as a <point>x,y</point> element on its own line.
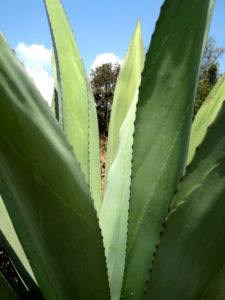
<point>191,254</point>
<point>50,204</point>
<point>8,231</point>
<point>126,86</point>
<point>162,128</point>
<point>75,103</point>
<point>205,116</point>
<point>6,291</point>
<point>114,212</point>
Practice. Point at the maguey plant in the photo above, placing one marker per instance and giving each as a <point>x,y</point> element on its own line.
<point>159,231</point>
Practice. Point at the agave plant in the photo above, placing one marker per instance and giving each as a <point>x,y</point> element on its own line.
<point>158,232</point>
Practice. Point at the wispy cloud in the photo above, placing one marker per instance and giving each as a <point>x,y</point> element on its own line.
<point>37,61</point>
<point>105,58</point>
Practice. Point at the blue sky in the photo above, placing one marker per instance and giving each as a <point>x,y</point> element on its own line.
<point>99,27</point>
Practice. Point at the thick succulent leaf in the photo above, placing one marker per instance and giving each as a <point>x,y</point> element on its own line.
<point>6,227</point>
<point>28,286</point>
<point>190,255</point>
<point>6,291</point>
<point>127,84</point>
<point>114,212</point>
<point>75,102</point>
<point>216,288</point>
<point>206,116</point>
<point>56,95</point>
<point>50,204</point>
<point>162,128</point>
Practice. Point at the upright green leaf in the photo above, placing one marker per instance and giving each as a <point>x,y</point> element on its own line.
<point>75,102</point>
<point>216,288</point>
<point>55,105</point>
<point>205,116</point>
<point>50,204</point>
<point>127,84</point>
<point>162,128</point>
<point>5,290</point>
<point>190,260</point>
<point>114,212</point>
<point>8,230</point>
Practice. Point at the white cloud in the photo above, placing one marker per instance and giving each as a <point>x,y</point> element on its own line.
<point>37,61</point>
<point>105,58</point>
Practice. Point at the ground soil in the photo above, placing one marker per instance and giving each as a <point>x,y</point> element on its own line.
<point>103,147</point>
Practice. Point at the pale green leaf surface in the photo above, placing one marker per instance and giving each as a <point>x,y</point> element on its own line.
<point>6,293</point>
<point>114,212</point>
<point>51,208</point>
<point>162,129</point>
<point>53,104</point>
<point>8,230</point>
<point>190,255</point>
<point>205,116</point>
<point>56,98</point>
<point>126,86</point>
<point>77,112</point>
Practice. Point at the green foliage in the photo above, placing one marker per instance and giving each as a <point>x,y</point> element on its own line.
<point>209,71</point>
<point>6,291</point>
<point>158,232</point>
<point>114,212</point>
<point>200,227</point>
<point>103,82</point>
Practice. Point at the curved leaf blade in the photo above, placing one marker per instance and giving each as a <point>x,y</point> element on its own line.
<point>216,288</point>
<point>9,233</point>
<point>114,212</point>
<point>162,128</point>
<point>50,203</point>
<point>191,253</point>
<point>5,290</point>
<point>126,86</point>
<point>76,108</point>
<point>205,116</point>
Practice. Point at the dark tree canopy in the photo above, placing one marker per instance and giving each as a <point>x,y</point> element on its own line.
<point>209,71</point>
<point>103,81</point>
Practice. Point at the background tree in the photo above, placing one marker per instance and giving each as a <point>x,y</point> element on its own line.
<point>103,81</point>
<point>209,71</point>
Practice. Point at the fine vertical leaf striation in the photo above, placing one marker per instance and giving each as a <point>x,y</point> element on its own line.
<point>76,108</point>
<point>114,212</point>
<point>193,240</point>
<point>50,202</point>
<point>162,128</point>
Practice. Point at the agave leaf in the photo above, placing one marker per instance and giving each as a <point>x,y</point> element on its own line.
<point>53,104</point>
<point>75,102</point>
<point>6,291</point>
<point>193,241</point>
<point>50,204</point>
<point>216,288</point>
<point>28,286</point>
<point>126,86</point>
<point>162,128</point>
<point>114,212</point>
<point>10,235</point>
<point>206,116</point>
<point>55,98</point>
